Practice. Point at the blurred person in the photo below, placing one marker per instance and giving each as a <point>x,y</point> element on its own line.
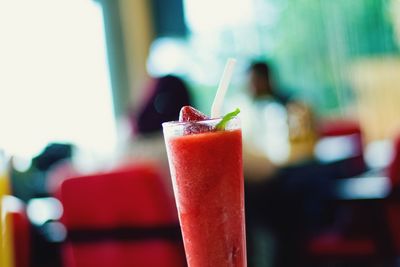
<point>166,96</point>
<point>268,124</point>
<point>281,210</point>
<point>261,84</point>
<point>270,119</point>
<point>282,127</point>
<point>264,124</point>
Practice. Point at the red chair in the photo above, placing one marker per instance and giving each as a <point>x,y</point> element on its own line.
<point>338,246</point>
<point>20,229</point>
<point>121,218</point>
<point>339,127</point>
<point>335,246</point>
<point>393,206</point>
<point>342,139</point>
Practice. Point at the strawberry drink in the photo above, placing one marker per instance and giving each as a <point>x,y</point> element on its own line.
<point>205,158</point>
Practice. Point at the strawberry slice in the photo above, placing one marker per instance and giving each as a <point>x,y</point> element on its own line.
<point>188,113</point>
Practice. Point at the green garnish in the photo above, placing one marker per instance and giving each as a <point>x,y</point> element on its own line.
<point>222,124</point>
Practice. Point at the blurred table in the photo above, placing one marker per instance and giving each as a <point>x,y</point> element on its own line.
<point>371,185</point>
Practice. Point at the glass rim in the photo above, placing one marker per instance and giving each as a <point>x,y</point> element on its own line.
<point>169,124</point>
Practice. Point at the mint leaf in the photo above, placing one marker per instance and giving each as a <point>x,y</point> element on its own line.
<point>222,124</point>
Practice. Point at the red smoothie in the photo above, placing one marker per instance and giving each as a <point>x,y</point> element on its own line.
<point>207,175</point>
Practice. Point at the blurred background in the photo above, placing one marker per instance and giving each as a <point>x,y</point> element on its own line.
<point>84,86</point>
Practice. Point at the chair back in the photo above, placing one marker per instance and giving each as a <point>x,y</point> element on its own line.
<point>393,206</point>
<point>346,129</point>
<point>121,218</point>
<point>394,168</point>
<point>342,141</point>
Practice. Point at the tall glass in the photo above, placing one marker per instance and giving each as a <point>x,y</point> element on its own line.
<point>207,175</point>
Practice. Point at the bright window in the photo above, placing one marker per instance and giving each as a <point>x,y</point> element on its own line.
<point>54,79</point>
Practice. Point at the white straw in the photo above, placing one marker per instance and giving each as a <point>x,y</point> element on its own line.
<point>222,88</point>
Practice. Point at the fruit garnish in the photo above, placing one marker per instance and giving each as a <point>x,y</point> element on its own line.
<point>222,124</point>
<point>192,115</point>
<point>188,113</point>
